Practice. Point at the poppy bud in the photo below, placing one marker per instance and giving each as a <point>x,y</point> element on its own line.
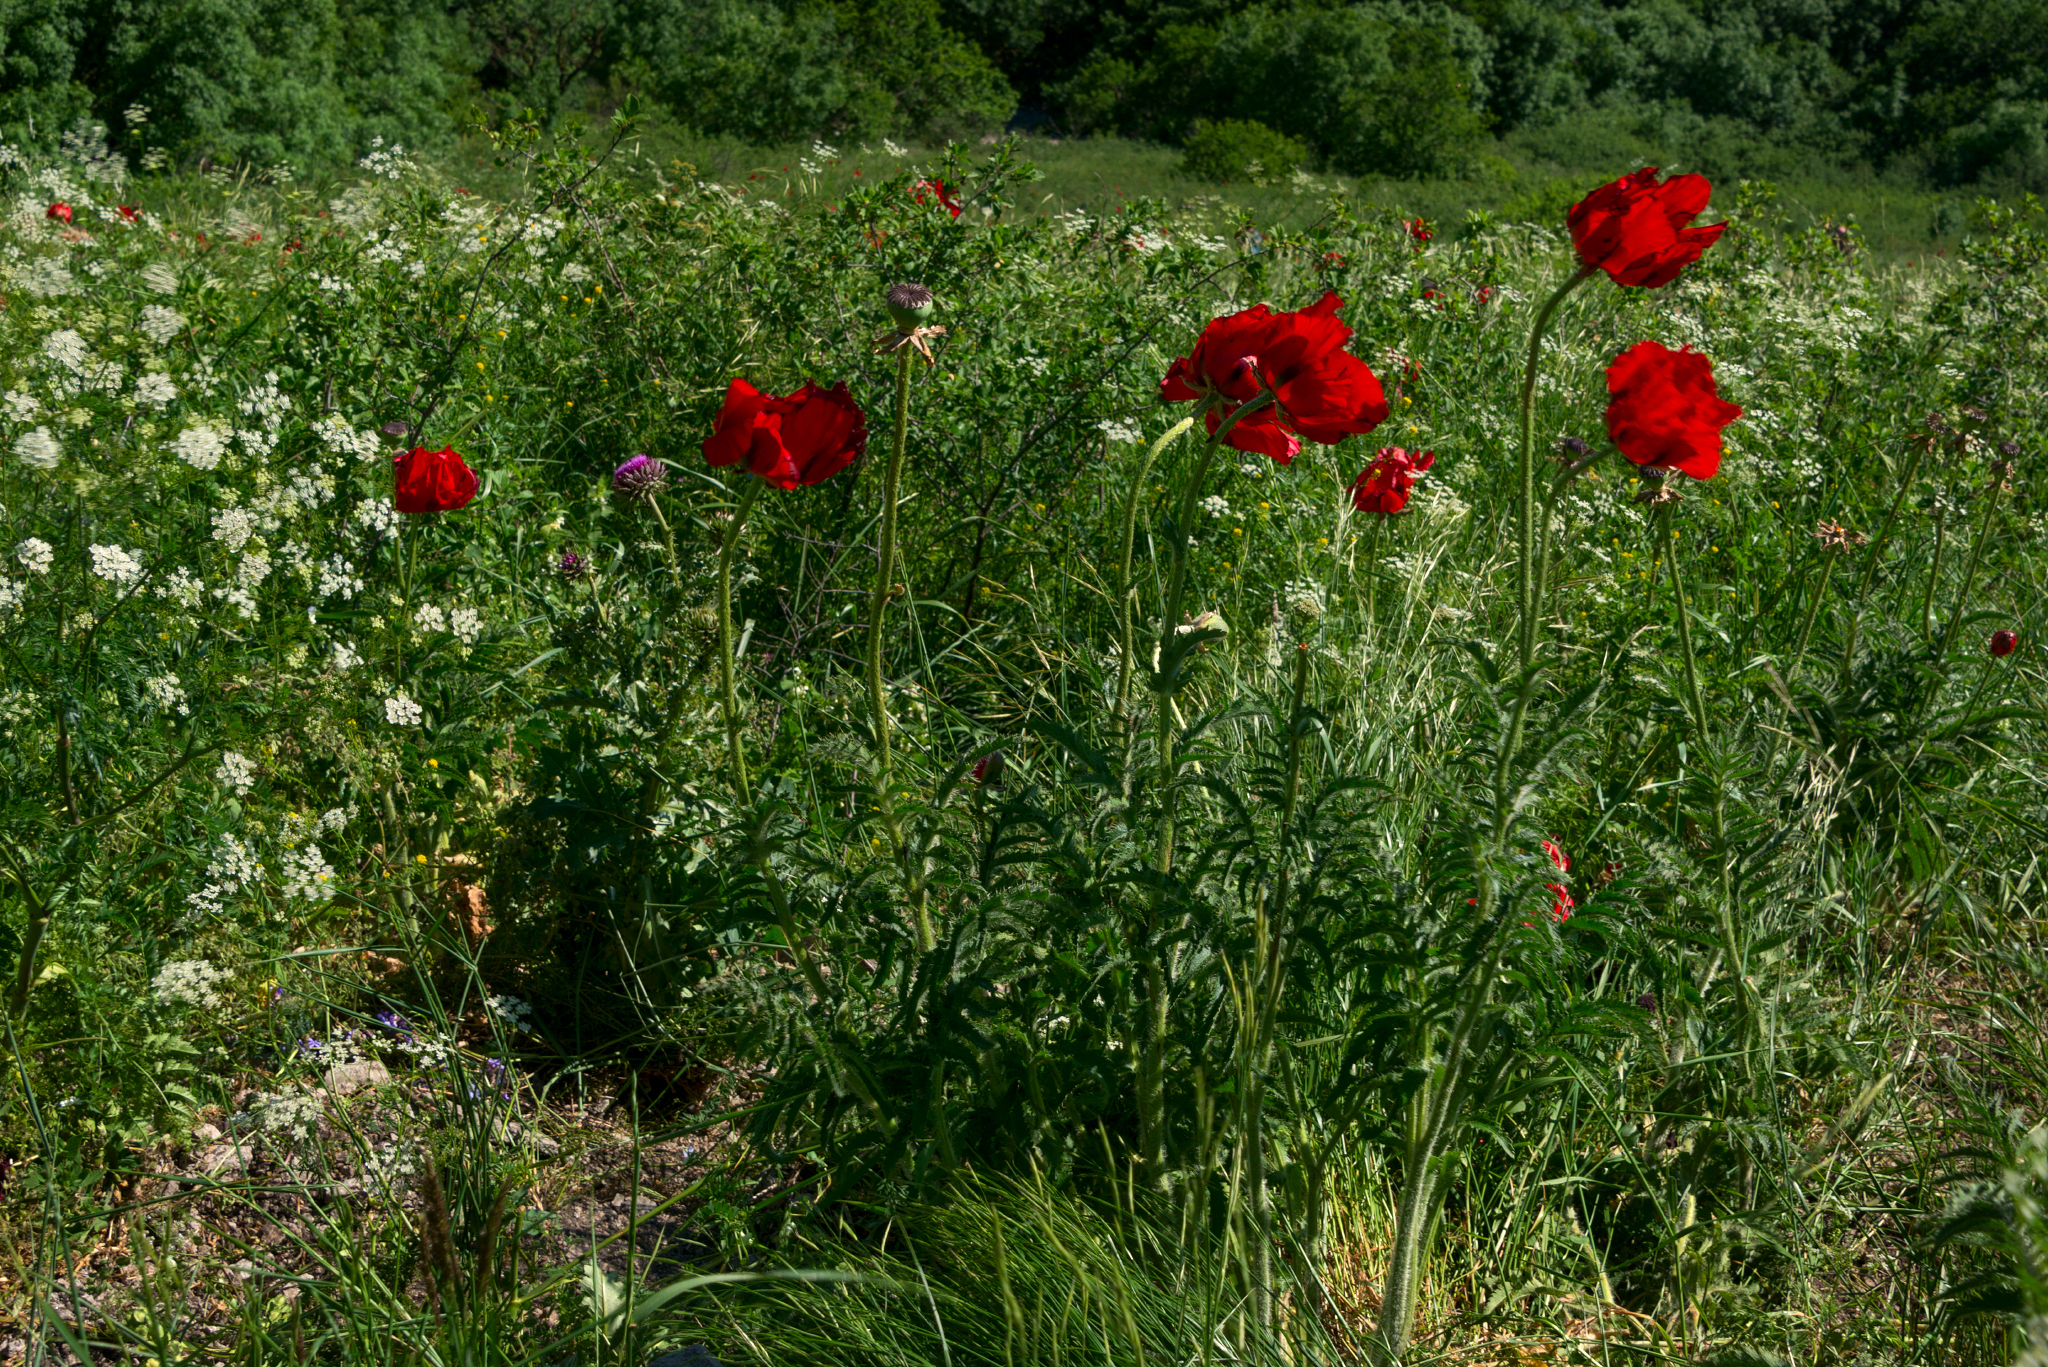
<point>909,304</point>
<point>988,770</point>
<point>2004,643</point>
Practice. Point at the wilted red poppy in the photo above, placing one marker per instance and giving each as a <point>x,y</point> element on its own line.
<point>800,438</point>
<point>433,481</point>
<point>1382,487</point>
<point>1664,412</point>
<point>1636,228</point>
<point>1321,391</point>
<point>927,191</point>
<point>59,211</point>
<point>2003,643</point>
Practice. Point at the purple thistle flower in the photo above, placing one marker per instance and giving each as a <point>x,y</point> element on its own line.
<point>572,567</point>
<point>639,478</point>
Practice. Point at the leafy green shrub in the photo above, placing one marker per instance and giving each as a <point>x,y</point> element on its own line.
<point>1240,149</point>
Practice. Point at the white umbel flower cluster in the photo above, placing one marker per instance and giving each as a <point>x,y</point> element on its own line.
<point>115,565</point>
<point>36,555</point>
<point>190,982</point>
<point>236,771</point>
<point>38,448</point>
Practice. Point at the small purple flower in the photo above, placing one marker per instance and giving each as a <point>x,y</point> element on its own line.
<point>394,1022</point>
<point>310,1045</point>
<point>277,996</point>
<point>639,478</point>
<point>572,567</point>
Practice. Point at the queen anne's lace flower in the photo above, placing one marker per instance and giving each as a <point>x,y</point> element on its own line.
<point>191,982</point>
<point>403,711</point>
<point>236,771</point>
<point>38,448</point>
<point>467,624</point>
<point>201,445</point>
<point>160,324</point>
<point>115,565</point>
<point>36,555</point>
<point>154,389</point>
<point>167,693</point>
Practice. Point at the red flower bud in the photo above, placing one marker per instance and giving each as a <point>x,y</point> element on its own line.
<point>2004,643</point>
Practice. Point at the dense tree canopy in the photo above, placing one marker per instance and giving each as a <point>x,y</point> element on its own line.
<point>1948,88</point>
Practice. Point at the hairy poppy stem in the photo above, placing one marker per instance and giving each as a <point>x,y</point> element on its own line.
<point>740,786</point>
<point>1694,698</point>
<point>1528,540</point>
<point>885,569</point>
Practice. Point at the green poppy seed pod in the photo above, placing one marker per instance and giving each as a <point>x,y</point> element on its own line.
<point>909,304</point>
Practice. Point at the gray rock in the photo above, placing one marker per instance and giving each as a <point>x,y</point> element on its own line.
<point>230,1158</point>
<point>696,1355</point>
<point>205,1134</point>
<point>350,1078</point>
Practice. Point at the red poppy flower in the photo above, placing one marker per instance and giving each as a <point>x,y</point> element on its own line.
<point>1321,391</point>
<point>927,191</point>
<point>433,481</point>
<point>1558,858</point>
<point>2003,643</point>
<point>129,213</point>
<point>1418,229</point>
<point>59,211</point>
<point>1561,903</point>
<point>1636,228</point>
<point>1664,412</point>
<point>1382,487</point>
<point>800,438</point>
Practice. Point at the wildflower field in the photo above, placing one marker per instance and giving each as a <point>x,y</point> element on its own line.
<point>818,769</point>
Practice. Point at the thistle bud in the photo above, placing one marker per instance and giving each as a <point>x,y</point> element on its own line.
<point>639,478</point>
<point>572,566</point>
<point>909,304</point>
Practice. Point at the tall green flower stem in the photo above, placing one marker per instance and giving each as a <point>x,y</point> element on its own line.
<point>1731,941</point>
<point>1877,547</point>
<point>1528,537</point>
<point>1152,1042</point>
<point>1125,589</point>
<point>1434,1113</point>
<point>1694,699</point>
<point>878,702</point>
<point>740,786</point>
<point>655,790</point>
<point>1955,616</point>
<point>1934,571</point>
<point>1271,983</point>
